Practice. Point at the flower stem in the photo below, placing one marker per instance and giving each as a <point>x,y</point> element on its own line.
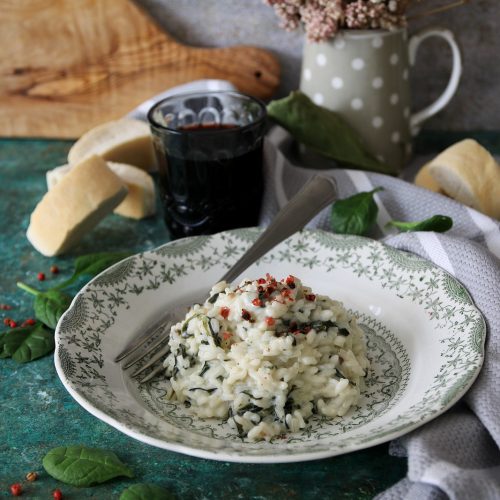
<point>437,10</point>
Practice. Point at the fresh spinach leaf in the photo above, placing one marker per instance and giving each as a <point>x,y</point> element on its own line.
<point>356,214</point>
<point>82,466</point>
<point>144,491</point>
<point>438,223</point>
<point>324,132</point>
<point>25,344</point>
<point>93,264</point>
<point>49,306</point>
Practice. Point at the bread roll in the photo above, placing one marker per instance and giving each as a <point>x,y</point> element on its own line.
<point>122,141</point>
<point>140,201</point>
<point>424,179</point>
<point>469,174</point>
<point>86,194</point>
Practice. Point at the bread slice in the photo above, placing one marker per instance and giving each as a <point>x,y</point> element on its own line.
<point>468,173</point>
<point>85,195</point>
<point>140,201</point>
<point>123,141</point>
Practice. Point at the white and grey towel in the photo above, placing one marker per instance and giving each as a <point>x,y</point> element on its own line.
<point>457,455</point>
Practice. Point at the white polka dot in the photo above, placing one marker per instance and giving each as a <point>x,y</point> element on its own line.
<point>394,59</point>
<point>357,104</point>
<point>406,112</point>
<point>321,60</point>
<point>339,43</point>
<point>381,158</point>
<point>358,64</point>
<point>307,74</point>
<point>377,83</point>
<point>377,42</point>
<point>395,137</point>
<point>377,122</point>
<point>405,74</point>
<point>394,99</point>
<point>318,98</point>
<point>337,82</point>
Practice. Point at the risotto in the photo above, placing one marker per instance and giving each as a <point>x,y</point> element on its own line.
<point>266,356</point>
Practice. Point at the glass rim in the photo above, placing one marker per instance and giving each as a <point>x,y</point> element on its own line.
<point>153,123</point>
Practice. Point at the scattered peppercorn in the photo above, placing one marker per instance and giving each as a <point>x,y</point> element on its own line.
<point>246,315</point>
<point>16,489</point>
<point>54,269</point>
<point>57,494</point>
<point>28,322</point>
<point>31,476</point>
<point>311,297</point>
<point>12,323</point>
<point>41,276</point>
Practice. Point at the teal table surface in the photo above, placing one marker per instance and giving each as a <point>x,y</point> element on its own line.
<point>38,414</point>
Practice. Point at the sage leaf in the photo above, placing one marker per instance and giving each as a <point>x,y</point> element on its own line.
<point>143,491</point>
<point>49,306</point>
<point>82,466</point>
<point>93,264</point>
<point>354,215</point>
<point>324,132</point>
<point>437,223</point>
<point>26,344</point>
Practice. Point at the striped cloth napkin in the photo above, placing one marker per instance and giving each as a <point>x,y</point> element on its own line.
<point>457,455</point>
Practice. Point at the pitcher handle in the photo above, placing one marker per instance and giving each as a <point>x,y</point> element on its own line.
<point>419,117</point>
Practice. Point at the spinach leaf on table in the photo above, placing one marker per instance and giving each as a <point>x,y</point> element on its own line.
<point>324,132</point>
<point>25,344</point>
<point>437,223</point>
<point>50,306</point>
<point>143,491</point>
<point>82,466</point>
<point>354,215</point>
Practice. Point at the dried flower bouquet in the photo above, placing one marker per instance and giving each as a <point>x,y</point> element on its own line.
<point>322,19</point>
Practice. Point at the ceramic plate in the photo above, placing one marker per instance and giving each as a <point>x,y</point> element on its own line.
<point>425,341</point>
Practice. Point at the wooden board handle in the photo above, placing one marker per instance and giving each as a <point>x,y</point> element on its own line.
<point>78,64</point>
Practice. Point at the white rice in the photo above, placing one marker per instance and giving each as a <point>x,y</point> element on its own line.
<point>266,356</point>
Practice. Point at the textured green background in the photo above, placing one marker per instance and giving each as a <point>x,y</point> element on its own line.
<point>37,414</point>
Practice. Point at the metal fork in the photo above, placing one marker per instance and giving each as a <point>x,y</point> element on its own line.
<point>316,194</point>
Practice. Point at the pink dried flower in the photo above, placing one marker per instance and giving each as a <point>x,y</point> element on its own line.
<point>322,19</point>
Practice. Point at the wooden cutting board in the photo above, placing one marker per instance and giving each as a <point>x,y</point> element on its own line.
<point>66,66</point>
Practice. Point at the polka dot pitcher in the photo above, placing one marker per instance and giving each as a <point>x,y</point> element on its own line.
<point>364,76</point>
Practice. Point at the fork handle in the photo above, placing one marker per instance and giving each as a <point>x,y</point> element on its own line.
<point>316,194</point>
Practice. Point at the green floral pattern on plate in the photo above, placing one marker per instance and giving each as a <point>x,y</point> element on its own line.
<point>126,299</point>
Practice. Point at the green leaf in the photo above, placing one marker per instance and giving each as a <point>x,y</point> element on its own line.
<point>438,223</point>
<point>354,215</point>
<point>82,466</point>
<point>93,264</point>
<point>26,344</point>
<point>324,132</point>
<point>49,306</point>
<point>143,491</point>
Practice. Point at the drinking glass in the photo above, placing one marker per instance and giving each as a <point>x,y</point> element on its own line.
<point>209,152</point>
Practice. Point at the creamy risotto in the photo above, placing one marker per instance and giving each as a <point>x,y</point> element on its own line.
<point>266,355</point>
